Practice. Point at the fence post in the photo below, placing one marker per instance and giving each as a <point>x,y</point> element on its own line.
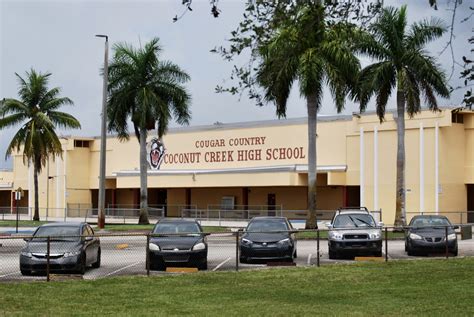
<point>48,249</point>
<point>317,237</point>
<point>386,244</point>
<point>65,214</point>
<point>148,254</point>
<point>237,251</point>
<point>220,219</point>
<point>446,239</point>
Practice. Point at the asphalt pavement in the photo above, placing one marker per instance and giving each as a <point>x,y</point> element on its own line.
<point>125,255</point>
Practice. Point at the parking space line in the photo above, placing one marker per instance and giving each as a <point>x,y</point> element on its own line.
<point>121,269</point>
<point>221,264</point>
<point>309,259</point>
<point>9,274</point>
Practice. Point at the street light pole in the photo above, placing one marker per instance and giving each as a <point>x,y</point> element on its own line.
<point>103,139</point>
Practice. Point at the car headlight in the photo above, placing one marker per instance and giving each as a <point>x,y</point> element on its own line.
<point>199,246</point>
<point>451,236</point>
<point>335,235</point>
<point>246,241</point>
<point>154,247</point>
<point>73,253</point>
<point>375,235</point>
<point>285,241</point>
<point>414,236</point>
<point>27,254</point>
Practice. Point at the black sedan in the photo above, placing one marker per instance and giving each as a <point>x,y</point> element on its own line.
<point>177,242</point>
<point>73,247</point>
<point>427,234</point>
<point>268,238</point>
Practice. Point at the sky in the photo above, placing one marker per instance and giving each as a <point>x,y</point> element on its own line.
<point>58,37</point>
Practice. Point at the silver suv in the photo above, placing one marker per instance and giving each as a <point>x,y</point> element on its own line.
<point>353,231</point>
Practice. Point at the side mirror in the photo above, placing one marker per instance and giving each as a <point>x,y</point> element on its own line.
<point>455,227</point>
<point>240,230</point>
<point>380,224</point>
<point>89,238</point>
<point>329,226</point>
<point>27,239</point>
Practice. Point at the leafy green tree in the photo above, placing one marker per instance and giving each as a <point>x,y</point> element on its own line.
<point>312,52</point>
<point>149,92</point>
<point>402,63</point>
<point>37,112</point>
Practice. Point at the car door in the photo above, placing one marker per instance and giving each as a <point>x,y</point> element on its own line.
<point>94,247</point>
<point>87,245</point>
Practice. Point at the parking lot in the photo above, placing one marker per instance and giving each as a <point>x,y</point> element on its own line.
<point>126,255</point>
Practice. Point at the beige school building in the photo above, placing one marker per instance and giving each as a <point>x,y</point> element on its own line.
<point>264,163</point>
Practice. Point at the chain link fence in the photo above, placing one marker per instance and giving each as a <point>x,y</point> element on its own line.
<point>102,255</point>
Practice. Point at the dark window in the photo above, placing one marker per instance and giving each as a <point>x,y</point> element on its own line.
<point>81,143</point>
<point>457,118</point>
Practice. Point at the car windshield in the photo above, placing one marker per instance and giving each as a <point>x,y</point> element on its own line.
<point>188,227</point>
<point>266,226</point>
<point>429,222</point>
<point>57,233</point>
<point>354,221</point>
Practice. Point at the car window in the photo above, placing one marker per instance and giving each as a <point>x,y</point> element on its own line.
<point>266,226</point>
<point>353,221</point>
<point>164,228</point>
<point>66,233</point>
<point>429,222</point>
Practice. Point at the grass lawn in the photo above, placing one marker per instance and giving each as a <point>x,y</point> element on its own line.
<point>21,223</point>
<point>396,288</point>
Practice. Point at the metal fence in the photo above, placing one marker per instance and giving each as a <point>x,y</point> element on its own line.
<point>56,257</point>
<point>245,215</point>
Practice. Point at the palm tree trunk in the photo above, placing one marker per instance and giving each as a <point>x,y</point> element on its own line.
<point>143,180</point>
<point>311,221</point>
<point>36,165</point>
<point>400,194</point>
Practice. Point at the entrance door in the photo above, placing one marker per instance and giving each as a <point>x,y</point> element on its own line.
<point>271,201</point>
<point>470,203</point>
<point>162,200</point>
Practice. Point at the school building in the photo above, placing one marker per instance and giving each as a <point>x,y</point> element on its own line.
<point>264,163</point>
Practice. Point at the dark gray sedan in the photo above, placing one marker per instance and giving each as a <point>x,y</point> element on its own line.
<point>266,239</point>
<point>177,242</point>
<point>73,247</point>
<point>427,234</point>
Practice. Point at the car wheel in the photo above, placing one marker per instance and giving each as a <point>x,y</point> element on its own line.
<point>410,252</point>
<point>26,272</point>
<point>203,266</point>
<point>455,252</point>
<point>82,264</point>
<point>96,264</point>
<point>243,259</point>
<point>378,253</point>
<point>332,255</point>
<point>295,255</point>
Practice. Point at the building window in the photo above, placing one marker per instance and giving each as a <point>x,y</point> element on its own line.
<point>81,143</point>
<point>457,117</point>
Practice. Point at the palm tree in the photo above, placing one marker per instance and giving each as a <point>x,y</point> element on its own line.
<point>310,51</point>
<point>37,112</point>
<point>149,92</point>
<point>404,64</point>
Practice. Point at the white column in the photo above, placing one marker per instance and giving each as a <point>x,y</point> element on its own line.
<point>437,167</point>
<point>30,188</point>
<point>422,169</point>
<point>376,169</point>
<point>362,165</point>
<point>65,175</point>
<point>57,182</point>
